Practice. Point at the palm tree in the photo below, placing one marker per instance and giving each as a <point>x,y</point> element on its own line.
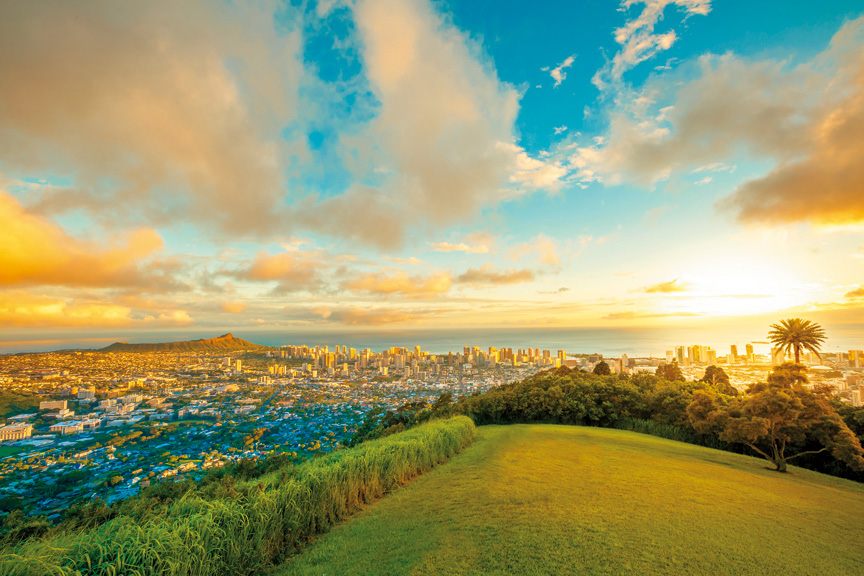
<point>797,334</point>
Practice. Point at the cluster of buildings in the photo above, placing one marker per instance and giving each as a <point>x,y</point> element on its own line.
<point>104,424</point>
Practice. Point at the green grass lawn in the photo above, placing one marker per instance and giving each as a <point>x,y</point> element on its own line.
<point>544,499</point>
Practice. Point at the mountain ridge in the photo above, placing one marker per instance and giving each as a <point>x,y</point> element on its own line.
<point>225,343</point>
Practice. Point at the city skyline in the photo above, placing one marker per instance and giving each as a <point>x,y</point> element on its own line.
<point>411,165</point>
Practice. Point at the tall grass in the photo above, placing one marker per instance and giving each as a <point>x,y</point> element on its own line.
<point>267,517</point>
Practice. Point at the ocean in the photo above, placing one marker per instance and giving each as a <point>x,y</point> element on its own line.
<point>635,342</point>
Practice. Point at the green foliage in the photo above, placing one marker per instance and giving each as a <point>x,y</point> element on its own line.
<point>671,372</point>
<point>719,380</point>
<point>379,423</point>
<point>602,369</point>
<point>17,402</point>
<point>570,397</point>
<point>243,527</point>
<point>796,335</point>
<point>17,527</point>
<point>778,418</point>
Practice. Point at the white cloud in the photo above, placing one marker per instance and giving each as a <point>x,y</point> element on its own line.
<point>443,139</point>
<point>559,73</point>
<point>541,248</point>
<point>805,118</point>
<point>477,243</point>
<point>639,40</point>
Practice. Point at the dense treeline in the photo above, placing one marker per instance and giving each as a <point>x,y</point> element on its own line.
<point>644,403</point>
<point>245,526</point>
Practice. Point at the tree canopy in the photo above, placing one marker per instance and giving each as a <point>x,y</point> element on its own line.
<point>671,372</point>
<point>796,335</point>
<point>719,380</point>
<point>779,420</point>
<point>602,369</point>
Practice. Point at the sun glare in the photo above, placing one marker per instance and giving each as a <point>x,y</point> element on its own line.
<point>738,286</point>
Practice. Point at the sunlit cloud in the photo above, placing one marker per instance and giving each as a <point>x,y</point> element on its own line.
<point>478,243</point>
<point>235,307</point>
<point>559,73</point>
<point>291,270</point>
<point>36,251</point>
<point>798,117</point>
<point>855,294</point>
<point>647,315</point>
<point>541,249</point>
<point>638,38</point>
<point>367,316</point>
<point>25,310</point>
<point>401,284</point>
<point>490,276</point>
<point>669,287</point>
<point>143,94</point>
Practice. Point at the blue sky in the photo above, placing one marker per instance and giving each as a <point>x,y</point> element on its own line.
<point>384,163</point>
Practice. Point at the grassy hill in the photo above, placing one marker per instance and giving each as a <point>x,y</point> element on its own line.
<point>225,343</point>
<point>548,499</point>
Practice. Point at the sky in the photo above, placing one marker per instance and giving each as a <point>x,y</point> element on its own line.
<point>393,164</point>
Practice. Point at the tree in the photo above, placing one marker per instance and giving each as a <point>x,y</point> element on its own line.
<point>775,417</point>
<point>602,369</point>
<point>795,335</point>
<point>671,372</point>
<point>718,379</point>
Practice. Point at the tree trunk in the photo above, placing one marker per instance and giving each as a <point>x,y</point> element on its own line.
<point>797,354</point>
<point>778,457</point>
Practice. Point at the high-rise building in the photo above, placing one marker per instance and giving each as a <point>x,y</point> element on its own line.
<point>778,356</point>
<point>733,354</point>
<point>710,356</point>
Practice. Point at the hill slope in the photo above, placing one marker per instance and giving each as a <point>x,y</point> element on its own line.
<point>224,343</point>
<point>543,499</point>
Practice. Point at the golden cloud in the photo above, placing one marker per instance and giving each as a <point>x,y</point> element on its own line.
<point>806,119</point>
<point>487,275</point>
<point>855,294</point>
<point>666,287</point>
<point>293,270</point>
<point>827,185</point>
<point>22,309</point>
<point>37,251</point>
<point>233,307</point>
<point>367,316</point>
<point>401,284</point>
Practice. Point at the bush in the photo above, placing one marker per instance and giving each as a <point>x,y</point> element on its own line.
<point>265,518</point>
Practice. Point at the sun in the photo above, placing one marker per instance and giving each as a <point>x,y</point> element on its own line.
<point>738,285</point>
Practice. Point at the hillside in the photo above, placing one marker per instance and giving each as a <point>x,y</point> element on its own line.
<point>550,499</point>
<point>225,343</point>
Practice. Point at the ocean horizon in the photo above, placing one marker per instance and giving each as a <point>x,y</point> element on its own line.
<point>635,342</point>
